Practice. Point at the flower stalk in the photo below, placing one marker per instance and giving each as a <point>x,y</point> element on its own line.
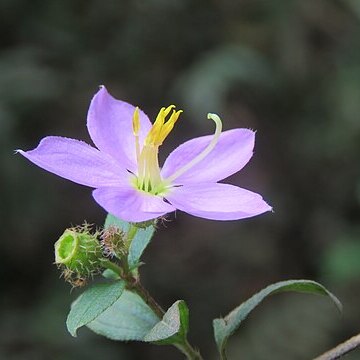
<point>342,349</point>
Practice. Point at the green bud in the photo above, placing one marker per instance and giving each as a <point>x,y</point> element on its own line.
<point>113,241</point>
<point>78,253</point>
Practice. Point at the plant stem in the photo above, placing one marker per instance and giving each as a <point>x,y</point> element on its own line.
<point>189,351</point>
<point>342,349</point>
<point>144,294</point>
<point>185,348</point>
<point>112,266</point>
<point>223,354</point>
<point>135,284</point>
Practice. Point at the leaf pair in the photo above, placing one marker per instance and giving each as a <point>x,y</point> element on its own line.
<point>118,314</point>
<point>110,310</point>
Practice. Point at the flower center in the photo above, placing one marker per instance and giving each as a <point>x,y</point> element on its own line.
<point>148,178</point>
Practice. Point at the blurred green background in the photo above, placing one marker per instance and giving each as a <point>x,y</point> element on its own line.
<point>289,69</point>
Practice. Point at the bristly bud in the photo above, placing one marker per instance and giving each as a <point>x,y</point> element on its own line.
<point>113,241</point>
<point>75,279</point>
<point>79,254</point>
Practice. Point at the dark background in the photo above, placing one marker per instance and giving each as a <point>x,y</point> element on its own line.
<point>289,69</point>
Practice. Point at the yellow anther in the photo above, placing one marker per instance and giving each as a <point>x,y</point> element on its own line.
<point>136,122</point>
<point>154,136</point>
<point>168,126</point>
<point>155,129</point>
<point>148,174</point>
<point>168,109</point>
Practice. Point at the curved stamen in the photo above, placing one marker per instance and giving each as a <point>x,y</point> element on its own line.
<point>204,153</point>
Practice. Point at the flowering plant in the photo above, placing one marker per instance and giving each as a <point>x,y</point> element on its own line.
<point>125,170</point>
<point>135,191</point>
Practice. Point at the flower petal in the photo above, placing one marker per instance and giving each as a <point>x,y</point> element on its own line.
<point>76,161</point>
<point>110,127</point>
<point>217,201</point>
<point>232,152</point>
<point>131,205</point>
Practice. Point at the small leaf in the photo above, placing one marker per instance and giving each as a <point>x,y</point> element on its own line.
<point>140,241</point>
<point>129,318</point>
<point>225,327</point>
<point>173,327</point>
<point>91,303</point>
<point>139,244</point>
<point>112,220</point>
<point>110,275</point>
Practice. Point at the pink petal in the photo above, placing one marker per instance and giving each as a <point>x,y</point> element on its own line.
<point>232,152</point>
<point>131,205</point>
<point>217,201</point>
<point>110,127</point>
<point>76,161</point>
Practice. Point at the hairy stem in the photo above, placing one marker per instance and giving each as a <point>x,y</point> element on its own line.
<point>189,351</point>
<point>341,350</point>
<point>223,354</point>
<point>185,348</point>
<point>145,295</point>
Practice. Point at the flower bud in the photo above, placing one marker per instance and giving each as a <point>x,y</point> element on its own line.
<point>113,241</point>
<point>79,253</point>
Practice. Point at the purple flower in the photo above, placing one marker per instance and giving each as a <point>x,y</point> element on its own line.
<point>125,172</point>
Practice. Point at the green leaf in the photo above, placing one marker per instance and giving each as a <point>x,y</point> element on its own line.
<point>225,327</point>
<point>112,220</point>
<point>129,318</point>
<point>141,239</point>
<point>173,327</point>
<point>110,275</point>
<point>91,303</point>
<point>139,244</point>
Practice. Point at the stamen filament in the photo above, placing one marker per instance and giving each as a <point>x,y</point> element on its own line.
<point>154,168</point>
<point>148,177</point>
<point>141,168</point>
<point>204,153</point>
<point>136,129</point>
<point>137,146</point>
